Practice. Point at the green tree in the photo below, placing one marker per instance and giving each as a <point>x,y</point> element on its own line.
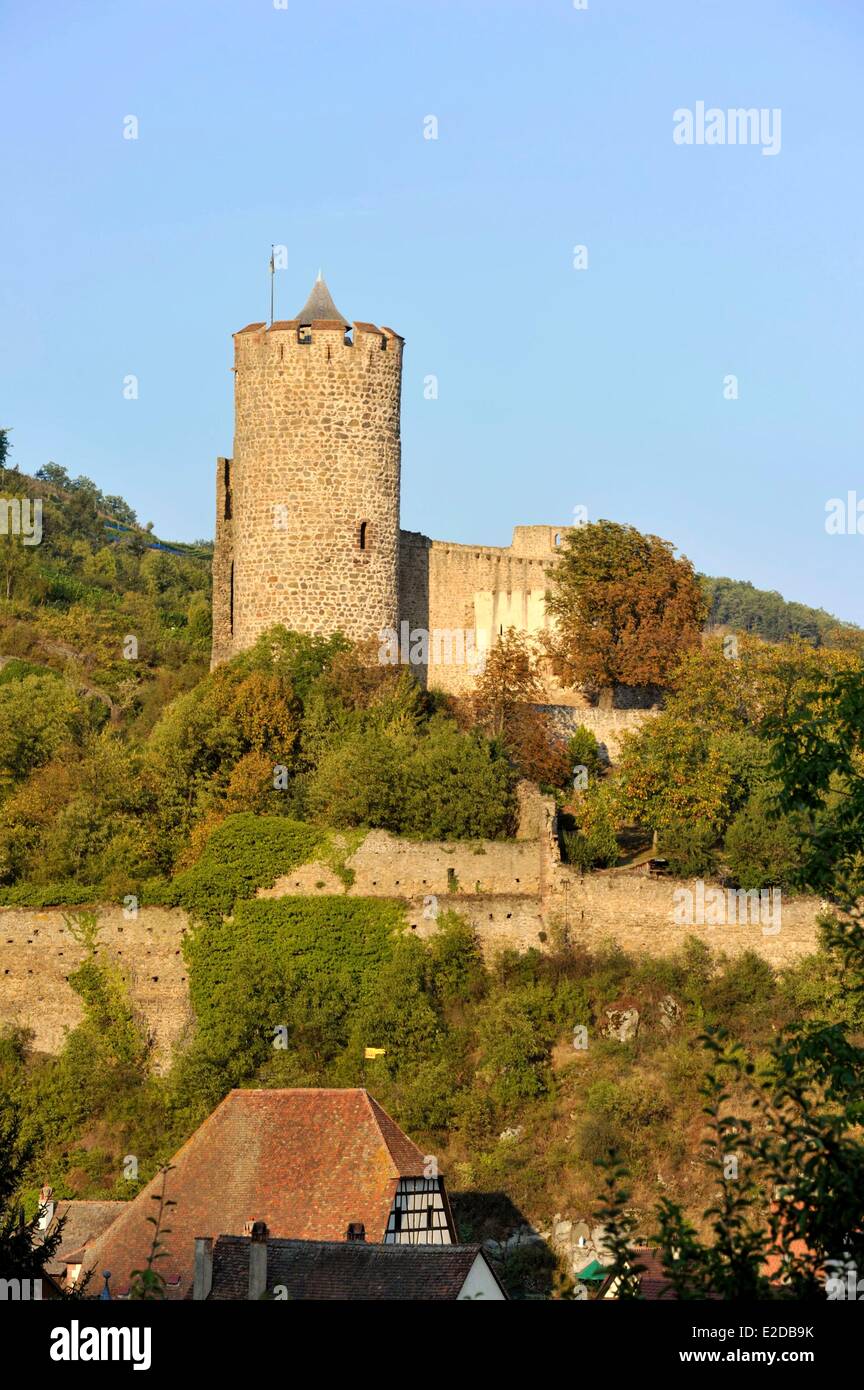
<point>763,847</point>
<point>24,1251</point>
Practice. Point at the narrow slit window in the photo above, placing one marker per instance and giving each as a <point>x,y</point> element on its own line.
<point>231,602</point>
<point>363,535</point>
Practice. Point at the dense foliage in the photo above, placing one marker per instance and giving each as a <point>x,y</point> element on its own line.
<point>701,776</point>
<point>792,1119</point>
<point>735,604</point>
<point>625,605</point>
<point>300,727</point>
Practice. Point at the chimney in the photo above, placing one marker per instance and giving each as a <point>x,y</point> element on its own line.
<point>203,1267</point>
<point>46,1207</point>
<point>257,1259</point>
<point>356,1231</point>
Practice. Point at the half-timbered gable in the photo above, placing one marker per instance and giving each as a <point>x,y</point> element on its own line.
<point>420,1214</point>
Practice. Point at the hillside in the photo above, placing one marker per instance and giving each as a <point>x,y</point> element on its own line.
<point>735,605</point>
<point>126,767</point>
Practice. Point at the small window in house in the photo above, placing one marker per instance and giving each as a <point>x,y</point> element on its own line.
<point>557,538</point>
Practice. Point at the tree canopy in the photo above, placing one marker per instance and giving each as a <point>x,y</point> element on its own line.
<point>626,608</point>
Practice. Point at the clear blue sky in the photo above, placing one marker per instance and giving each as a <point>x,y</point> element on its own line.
<point>557,387</point>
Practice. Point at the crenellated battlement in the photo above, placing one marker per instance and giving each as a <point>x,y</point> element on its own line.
<point>260,344</point>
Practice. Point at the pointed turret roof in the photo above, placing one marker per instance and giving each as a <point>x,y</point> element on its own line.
<point>320,305</point>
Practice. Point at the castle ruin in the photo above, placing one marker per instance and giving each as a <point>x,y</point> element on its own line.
<point>307,521</point>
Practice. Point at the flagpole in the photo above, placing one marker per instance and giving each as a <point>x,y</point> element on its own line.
<point>272,281</point>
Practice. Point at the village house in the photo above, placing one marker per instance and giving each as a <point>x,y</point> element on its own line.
<point>308,1164</point>
<point>82,1224</point>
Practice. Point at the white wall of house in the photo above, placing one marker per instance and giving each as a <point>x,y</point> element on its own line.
<point>481,1284</point>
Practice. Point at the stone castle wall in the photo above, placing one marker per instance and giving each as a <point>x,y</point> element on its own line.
<point>308,508</point>
<point>481,590</point>
<point>38,953</point>
<point>637,912</point>
<point>516,894</point>
<point>608,726</point>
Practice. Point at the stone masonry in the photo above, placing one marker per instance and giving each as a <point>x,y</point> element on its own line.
<point>307,515</point>
<point>517,895</point>
<point>307,525</point>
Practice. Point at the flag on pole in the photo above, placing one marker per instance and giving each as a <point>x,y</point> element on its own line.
<point>370,1053</point>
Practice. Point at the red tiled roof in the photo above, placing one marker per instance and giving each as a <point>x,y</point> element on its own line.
<point>306,1162</point>
<point>83,1222</point>
<point>318,1270</point>
<point>654,1283</point>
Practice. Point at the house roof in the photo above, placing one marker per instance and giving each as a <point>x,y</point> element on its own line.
<point>318,1270</point>
<point>593,1272</point>
<point>320,306</point>
<point>306,1162</point>
<point>653,1282</point>
<point>83,1222</point>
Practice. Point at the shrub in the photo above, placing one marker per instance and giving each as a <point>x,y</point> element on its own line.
<point>688,846</point>
<point>745,981</point>
<point>457,973</point>
<point>245,852</point>
<point>514,1052</point>
<point>592,844</point>
<point>584,751</point>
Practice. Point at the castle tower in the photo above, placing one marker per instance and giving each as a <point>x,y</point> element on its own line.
<point>307,511</point>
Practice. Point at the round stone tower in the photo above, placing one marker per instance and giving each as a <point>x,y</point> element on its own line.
<point>307,511</point>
